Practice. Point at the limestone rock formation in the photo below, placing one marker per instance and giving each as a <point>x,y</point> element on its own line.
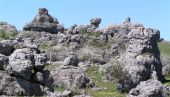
<point>44,22</point>
<point>23,73</point>
<point>142,57</point>
<point>12,86</point>
<point>7,27</point>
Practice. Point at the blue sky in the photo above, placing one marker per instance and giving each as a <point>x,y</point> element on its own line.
<point>151,13</point>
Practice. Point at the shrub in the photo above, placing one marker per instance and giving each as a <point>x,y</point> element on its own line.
<point>113,71</point>
<point>7,35</point>
<point>3,34</point>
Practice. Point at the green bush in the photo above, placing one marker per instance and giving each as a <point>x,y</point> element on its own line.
<point>2,34</point>
<point>113,71</point>
<point>7,35</point>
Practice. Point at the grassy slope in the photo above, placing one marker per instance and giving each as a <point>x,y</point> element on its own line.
<point>110,90</point>
<point>164,48</point>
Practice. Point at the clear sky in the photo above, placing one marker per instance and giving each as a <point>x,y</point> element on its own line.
<point>151,13</point>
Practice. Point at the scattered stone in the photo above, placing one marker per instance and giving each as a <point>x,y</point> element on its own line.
<point>71,60</point>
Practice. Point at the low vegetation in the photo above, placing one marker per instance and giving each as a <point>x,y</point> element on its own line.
<point>7,35</point>
<point>108,89</point>
<point>164,48</point>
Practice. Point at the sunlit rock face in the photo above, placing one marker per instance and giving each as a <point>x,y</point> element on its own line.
<point>44,22</point>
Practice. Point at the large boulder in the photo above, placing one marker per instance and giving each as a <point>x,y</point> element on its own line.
<point>24,62</point>
<point>44,22</point>
<point>149,88</point>
<point>25,74</point>
<point>70,77</point>
<point>13,86</point>
<point>21,63</point>
<point>7,47</point>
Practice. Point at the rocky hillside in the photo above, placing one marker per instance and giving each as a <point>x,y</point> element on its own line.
<point>46,59</point>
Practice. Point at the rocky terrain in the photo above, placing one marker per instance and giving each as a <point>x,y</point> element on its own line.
<point>46,59</point>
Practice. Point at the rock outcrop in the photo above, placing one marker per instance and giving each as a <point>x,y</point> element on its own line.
<point>4,26</point>
<point>128,54</point>
<point>22,73</point>
<point>44,22</point>
<point>142,57</point>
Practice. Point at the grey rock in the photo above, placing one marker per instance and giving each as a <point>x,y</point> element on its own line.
<point>7,27</point>
<point>21,63</point>
<point>12,86</point>
<point>76,38</point>
<point>3,61</point>
<point>71,60</point>
<point>70,77</point>
<point>7,47</point>
<point>95,22</point>
<point>142,57</point>
<point>149,88</point>
<point>44,78</point>
<point>28,43</point>
<point>44,22</point>
<point>40,61</point>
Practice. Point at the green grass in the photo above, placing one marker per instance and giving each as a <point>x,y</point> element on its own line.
<point>58,89</point>
<point>3,35</point>
<point>164,48</point>
<point>7,35</point>
<point>110,90</point>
